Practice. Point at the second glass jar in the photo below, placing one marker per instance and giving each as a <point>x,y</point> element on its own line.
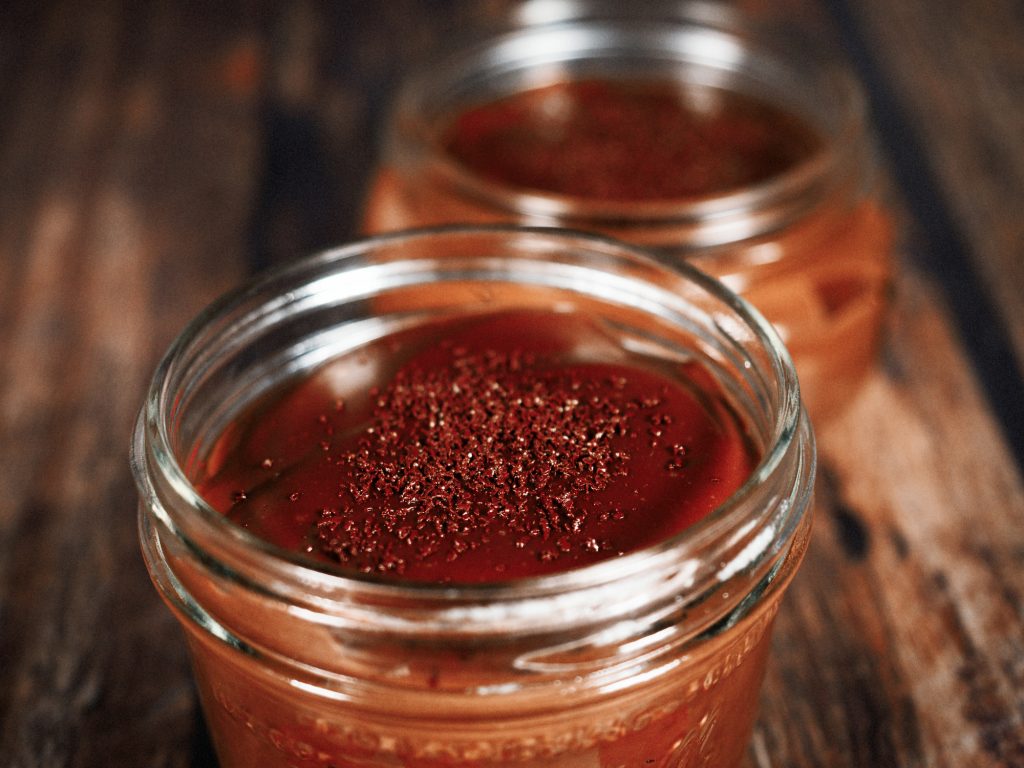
<point>807,241</point>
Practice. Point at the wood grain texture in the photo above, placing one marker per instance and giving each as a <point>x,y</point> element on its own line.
<point>903,628</point>
<point>126,183</point>
<point>958,69</point>
<point>154,153</point>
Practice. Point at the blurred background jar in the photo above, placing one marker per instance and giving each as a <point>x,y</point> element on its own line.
<point>687,128</point>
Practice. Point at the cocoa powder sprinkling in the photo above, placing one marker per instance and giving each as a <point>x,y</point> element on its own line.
<point>492,444</point>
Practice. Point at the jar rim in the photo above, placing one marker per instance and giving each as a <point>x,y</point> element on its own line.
<point>670,38</point>
<point>153,452</point>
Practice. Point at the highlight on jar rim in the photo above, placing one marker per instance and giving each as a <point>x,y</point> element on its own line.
<point>476,496</point>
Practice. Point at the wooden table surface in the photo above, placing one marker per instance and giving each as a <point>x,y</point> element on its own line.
<point>153,154</point>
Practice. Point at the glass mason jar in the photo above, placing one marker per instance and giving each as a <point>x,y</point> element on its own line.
<point>809,245</point>
<point>654,658</point>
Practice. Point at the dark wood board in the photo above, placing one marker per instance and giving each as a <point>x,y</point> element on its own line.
<point>153,154</point>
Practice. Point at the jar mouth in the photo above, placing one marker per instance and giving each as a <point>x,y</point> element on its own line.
<point>690,43</point>
<point>345,275</point>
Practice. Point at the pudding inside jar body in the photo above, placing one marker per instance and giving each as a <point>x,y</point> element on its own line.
<point>629,140</point>
<point>486,449</point>
<point>481,450</point>
<point>744,183</point>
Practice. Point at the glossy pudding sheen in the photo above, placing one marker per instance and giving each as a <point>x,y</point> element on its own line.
<point>628,140</point>
<point>635,159</point>
<point>481,449</point>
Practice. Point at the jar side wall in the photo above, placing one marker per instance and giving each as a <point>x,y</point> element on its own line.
<point>697,706</point>
<point>688,715</point>
<point>354,663</point>
<point>827,293</point>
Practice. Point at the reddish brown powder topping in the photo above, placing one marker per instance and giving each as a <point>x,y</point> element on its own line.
<point>487,446</point>
<point>499,453</point>
<point>629,140</point>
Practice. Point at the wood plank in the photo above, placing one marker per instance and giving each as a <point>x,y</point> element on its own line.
<point>331,74</point>
<point>917,640</point>
<point>902,641</point>
<point>958,69</point>
<point>139,177</point>
<point>941,151</point>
